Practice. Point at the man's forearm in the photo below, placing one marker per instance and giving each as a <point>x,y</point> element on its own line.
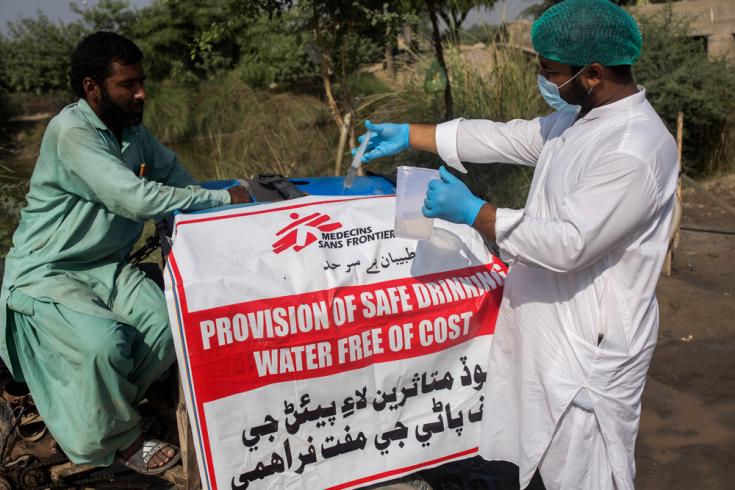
<point>485,222</point>
<point>422,137</point>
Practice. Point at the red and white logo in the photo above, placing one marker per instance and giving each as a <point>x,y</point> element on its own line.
<point>302,232</point>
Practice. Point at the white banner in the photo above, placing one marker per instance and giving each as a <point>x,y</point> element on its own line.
<point>320,351</point>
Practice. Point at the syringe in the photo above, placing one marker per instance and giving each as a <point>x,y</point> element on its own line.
<point>356,161</point>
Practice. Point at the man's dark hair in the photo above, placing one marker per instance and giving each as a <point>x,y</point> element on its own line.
<point>95,54</point>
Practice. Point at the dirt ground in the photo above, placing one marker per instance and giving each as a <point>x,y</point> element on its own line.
<point>687,432</point>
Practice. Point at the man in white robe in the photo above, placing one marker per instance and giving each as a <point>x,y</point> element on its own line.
<point>579,318</point>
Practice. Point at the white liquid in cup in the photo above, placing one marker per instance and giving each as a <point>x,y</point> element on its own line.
<point>417,227</point>
<point>411,187</point>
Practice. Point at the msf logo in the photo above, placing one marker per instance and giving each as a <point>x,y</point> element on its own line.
<point>302,232</point>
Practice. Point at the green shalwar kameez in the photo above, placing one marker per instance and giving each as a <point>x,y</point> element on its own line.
<point>87,331</point>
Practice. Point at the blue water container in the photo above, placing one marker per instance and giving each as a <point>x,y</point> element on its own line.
<point>370,185</point>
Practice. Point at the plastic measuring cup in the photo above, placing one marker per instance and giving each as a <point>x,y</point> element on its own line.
<point>411,187</point>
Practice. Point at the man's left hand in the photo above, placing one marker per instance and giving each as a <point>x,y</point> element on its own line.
<point>239,195</point>
<point>451,200</point>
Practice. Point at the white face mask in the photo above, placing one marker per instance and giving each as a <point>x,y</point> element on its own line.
<point>550,93</point>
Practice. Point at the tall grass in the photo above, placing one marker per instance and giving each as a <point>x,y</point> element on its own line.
<point>168,110</point>
<point>497,83</point>
<point>224,129</point>
<point>679,76</point>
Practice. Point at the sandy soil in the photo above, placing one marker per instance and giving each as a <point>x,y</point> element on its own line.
<point>687,433</point>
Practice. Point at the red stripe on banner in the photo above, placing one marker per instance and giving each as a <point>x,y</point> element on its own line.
<point>179,283</point>
<point>224,365</point>
<point>264,211</point>
<point>198,405</point>
<point>405,469</point>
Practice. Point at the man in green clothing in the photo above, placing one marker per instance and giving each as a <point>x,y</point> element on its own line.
<point>86,330</point>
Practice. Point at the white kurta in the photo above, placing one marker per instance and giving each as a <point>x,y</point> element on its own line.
<point>585,255</point>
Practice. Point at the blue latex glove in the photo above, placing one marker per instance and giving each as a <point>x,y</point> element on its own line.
<point>388,139</point>
<point>451,200</point>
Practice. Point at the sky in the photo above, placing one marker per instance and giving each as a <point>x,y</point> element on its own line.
<point>54,9</point>
<point>59,10</point>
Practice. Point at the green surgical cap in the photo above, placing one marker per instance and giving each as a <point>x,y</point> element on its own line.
<point>581,32</point>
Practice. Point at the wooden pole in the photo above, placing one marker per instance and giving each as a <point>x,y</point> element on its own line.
<point>679,147</point>
<point>189,479</point>
<point>674,235</point>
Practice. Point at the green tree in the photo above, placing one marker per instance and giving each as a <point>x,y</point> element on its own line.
<point>107,15</point>
<point>346,34</point>
<point>36,53</point>
<point>187,39</point>
<point>275,51</point>
<point>678,76</point>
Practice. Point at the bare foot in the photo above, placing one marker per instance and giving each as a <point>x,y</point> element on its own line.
<point>157,460</point>
<point>162,457</point>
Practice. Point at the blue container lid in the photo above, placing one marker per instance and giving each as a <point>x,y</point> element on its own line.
<point>371,185</point>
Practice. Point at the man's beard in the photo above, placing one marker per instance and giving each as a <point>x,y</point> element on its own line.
<point>577,94</point>
<point>115,115</point>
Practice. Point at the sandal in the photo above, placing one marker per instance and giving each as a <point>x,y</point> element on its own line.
<point>138,462</point>
<point>30,424</point>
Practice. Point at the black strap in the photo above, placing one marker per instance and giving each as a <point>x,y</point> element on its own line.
<point>285,188</point>
<point>151,244</point>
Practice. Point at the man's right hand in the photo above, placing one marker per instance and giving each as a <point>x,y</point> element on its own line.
<point>387,139</point>
<point>239,195</point>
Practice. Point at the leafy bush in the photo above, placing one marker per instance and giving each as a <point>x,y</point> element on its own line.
<point>36,53</point>
<point>679,76</point>
<point>273,51</point>
<point>168,34</point>
<point>108,15</point>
